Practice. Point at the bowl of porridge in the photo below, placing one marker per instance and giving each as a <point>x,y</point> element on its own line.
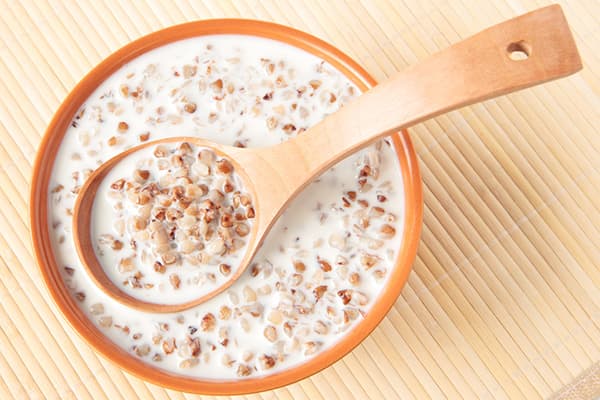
<point>329,270</point>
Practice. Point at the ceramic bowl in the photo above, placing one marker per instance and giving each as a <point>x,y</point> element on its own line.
<point>50,270</point>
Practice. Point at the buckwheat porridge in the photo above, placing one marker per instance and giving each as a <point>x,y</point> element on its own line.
<point>320,269</point>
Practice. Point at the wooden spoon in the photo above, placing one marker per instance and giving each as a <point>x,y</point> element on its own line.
<point>522,52</point>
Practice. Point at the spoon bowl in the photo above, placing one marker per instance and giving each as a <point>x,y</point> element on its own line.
<point>528,50</point>
<point>82,227</point>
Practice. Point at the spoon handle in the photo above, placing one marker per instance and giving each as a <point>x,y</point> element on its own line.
<point>473,70</point>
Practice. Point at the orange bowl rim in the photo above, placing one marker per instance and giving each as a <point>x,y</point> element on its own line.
<point>413,210</point>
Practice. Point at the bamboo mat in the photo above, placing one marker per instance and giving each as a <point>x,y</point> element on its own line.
<point>504,299</point>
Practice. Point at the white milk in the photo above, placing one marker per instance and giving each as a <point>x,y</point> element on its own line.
<point>303,233</point>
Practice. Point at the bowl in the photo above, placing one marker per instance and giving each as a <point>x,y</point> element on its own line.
<point>76,317</point>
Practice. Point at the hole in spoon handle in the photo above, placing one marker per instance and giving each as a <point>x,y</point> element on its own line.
<point>519,51</point>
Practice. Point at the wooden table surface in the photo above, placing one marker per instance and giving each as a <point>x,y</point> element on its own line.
<point>504,298</point>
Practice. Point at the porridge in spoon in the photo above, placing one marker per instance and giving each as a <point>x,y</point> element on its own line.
<point>171,222</point>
